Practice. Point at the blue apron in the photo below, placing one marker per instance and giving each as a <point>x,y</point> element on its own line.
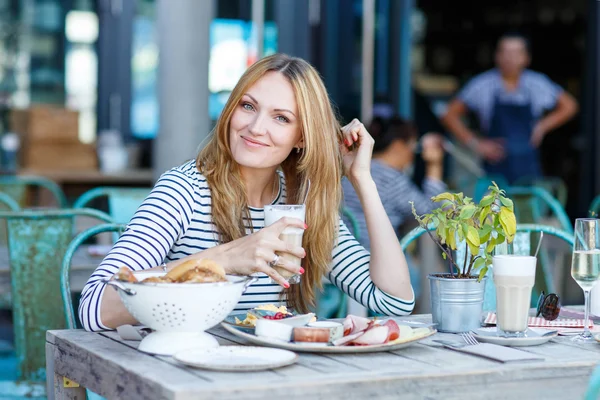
<point>514,123</point>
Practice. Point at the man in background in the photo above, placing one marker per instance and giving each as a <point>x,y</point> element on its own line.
<point>509,102</point>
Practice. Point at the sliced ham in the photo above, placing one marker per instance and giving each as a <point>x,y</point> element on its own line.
<point>347,339</point>
<point>375,335</point>
<point>394,329</point>
<point>353,324</point>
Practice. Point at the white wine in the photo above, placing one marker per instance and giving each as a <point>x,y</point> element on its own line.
<point>586,268</point>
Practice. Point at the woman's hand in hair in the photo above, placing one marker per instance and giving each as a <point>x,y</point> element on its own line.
<point>357,150</point>
<point>253,253</point>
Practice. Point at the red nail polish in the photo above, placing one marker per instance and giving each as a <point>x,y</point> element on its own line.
<point>286,285</point>
<point>301,270</point>
<point>305,226</point>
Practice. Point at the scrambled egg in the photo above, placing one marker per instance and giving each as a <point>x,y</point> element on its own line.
<point>251,318</point>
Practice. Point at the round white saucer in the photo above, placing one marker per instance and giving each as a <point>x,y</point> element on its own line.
<point>535,336</point>
<point>237,358</point>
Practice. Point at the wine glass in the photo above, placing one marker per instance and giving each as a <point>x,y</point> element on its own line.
<point>585,267</point>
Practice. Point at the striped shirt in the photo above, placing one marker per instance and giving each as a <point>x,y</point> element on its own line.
<point>174,221</point>
<point>480,93</point>
<point>396,190</point>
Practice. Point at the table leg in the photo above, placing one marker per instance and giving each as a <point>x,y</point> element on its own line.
<point>57,386</point>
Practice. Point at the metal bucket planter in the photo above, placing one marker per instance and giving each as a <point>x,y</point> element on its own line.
<point>456,304</point>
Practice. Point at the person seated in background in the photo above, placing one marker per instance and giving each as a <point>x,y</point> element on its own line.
<point>393,157</point>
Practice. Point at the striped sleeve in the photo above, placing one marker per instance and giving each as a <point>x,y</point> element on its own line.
<point>350,273</point>
<point>162,219</point>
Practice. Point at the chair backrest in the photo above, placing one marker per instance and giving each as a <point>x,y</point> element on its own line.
<point>122,202</point>
<point>353,222</point>
<point>16,187</point>
<point>65,288</point>
<point>8,202</point>
<point>553,184</point>
<point>37,243</point>
<point>530,202</point>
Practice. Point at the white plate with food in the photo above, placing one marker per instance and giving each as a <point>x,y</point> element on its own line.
<point>236,358</point>
<point>360,335</point>
<point>534,337</point>
<point>246,320</point>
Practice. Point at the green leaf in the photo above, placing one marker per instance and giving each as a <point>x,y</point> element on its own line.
<point>480,262</point>
<point>507,202</point>
<point>484,215</point>
<point>473,249</point>
<point>461,235</point>
<point>447,204</point>
<point>440,232</point>
<point>482,273</point>
<point>451,241</point>
<point>500,239</point>
<point>465,229</point>
<point>508,222</point>
<point>443,196</point>
<point>486,200</point>
<point>467,212</point>
<point>484,233</point>
<point>473,237</point>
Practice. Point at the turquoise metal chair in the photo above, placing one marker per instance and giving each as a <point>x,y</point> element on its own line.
<point>521,245</point>
<point>332,302</point>
<point>38,241</point>
<point>8,202</point>
<point>553,184</point>
<point>122,202</point>
<point>349,215</point>
<point>16,187</point>
<point>65,288</point>
<point>530,203</point>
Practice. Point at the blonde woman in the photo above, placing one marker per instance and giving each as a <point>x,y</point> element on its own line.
<point>277,131</point>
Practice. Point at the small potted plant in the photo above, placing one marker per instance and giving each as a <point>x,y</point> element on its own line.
<point>457,296</point>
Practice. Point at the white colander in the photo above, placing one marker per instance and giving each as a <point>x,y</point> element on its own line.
<point>179,313</point>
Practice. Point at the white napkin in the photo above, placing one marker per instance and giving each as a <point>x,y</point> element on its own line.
<point>499,353</point>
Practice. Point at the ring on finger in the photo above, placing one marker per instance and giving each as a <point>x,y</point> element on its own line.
<point>274,261</point>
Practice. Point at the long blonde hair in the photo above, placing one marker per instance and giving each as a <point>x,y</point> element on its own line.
<point>320,161</point>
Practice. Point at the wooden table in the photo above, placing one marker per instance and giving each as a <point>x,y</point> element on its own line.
<point>114,368</point>
<point>82,266</point>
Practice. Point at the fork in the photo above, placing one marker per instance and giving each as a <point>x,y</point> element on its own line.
<point>469,338</point>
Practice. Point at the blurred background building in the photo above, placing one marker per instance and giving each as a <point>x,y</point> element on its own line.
<point>151,76</point>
